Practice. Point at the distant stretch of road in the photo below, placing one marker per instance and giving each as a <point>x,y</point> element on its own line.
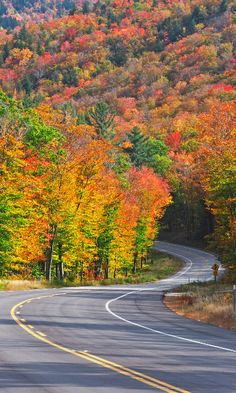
<point>113,339</point>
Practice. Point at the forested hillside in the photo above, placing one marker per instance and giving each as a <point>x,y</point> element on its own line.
<point>17,12</point>
<point>121,104</point>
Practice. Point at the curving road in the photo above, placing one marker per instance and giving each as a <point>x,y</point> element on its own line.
<point>113,340</point>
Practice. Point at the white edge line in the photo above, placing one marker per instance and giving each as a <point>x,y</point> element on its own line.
<point>107,306</point>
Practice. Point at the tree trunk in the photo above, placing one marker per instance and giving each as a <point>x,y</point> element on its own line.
<point>50,254</point>
<point>49,261</point>
<point>61,266</point>
<point>106,270</point>
<point>210,224</point>
<point>97,268</point>
<point>188,226</point>
<point>61,270</point>
<point>143,259</point>
<point>57,271</point>
<point>44,267</point>
<point>135,262</point>
<point>81,272</point>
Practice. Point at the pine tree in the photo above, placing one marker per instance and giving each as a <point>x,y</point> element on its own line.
<point>102,119</point>
<point>27,84</point>
<point>119,51</point>
<point>138,150</point>
<point>86,7</point>
<point>70,77</point>
<point>149,152</point>
<point>223,6</point>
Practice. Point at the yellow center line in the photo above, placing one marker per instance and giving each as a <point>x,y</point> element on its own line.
<point>41,334</point>
<point>122,370</point>
<point>156,383</point>
<point>136,372</point>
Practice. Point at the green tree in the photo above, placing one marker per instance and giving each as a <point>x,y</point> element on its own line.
<point>138,150</point>
<point>86,7</point>
<point>119,51</point>
<point>102,119</point>
<point>70,77</point>
<point>146,151</point>
<point>223,6</point>
<point>105,238</point>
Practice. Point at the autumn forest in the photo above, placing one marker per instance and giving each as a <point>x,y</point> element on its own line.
<point>117,124</point>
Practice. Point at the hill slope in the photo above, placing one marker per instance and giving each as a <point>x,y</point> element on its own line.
<point>160,75</point>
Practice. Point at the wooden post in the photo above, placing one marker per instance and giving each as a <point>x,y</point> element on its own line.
<point>215,269</point>
<point>234,297</point>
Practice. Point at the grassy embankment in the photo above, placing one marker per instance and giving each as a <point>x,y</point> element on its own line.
<point>159,266</point>
<point>208,302</point>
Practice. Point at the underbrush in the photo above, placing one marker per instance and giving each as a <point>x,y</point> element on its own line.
<point>207,302</point>
<point>19,285</point>
<point>159,266</point>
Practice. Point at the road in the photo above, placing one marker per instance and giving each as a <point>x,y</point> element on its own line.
<point>115,339</point>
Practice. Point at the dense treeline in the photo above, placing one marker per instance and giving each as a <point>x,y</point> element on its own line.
<point>15,12</point>
<point>151,86</point>
<point>71,201</point>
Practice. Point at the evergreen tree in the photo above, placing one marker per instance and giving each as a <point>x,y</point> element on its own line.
<point>73,10</point>
<point>86,7</point>
<point>118,51</point>
<point>27,84</point>
<point>223,6</point>
<point>70,77</point>
<point>102,119</point>
<point>138,151</point>
<point>3,9</point>
<point>146,151</point>
<point>198,15</point>
<point>6,50</point>
<point>160,45</point>
<point>24,39</point>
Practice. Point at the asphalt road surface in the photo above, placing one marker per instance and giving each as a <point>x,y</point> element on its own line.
<point>116,339</point>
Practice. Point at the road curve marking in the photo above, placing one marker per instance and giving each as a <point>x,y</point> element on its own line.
<point>165,384</point>
<point>107,306</point>
<point>41,333</point>
<point>156,383</point>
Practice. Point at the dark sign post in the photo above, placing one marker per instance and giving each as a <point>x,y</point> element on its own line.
<point>234,297</point>
<point>215,269</point>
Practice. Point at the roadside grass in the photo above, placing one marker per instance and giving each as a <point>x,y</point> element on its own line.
<point>21,285</point>
<point>208,302</point>
<point>159,266</point>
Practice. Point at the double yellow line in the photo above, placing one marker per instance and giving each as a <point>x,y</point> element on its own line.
<point>155,383</point>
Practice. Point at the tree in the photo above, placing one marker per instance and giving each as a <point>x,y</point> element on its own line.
<point>146,151</point>
<point>152,196</point>
<point>102,119</point>
<point>138,150</point>
<point>86,7</point>
<point>119,51</point>
<point>105,238</point>
<point>70,77</point>
<point>217,158</point>
<point>26,154</point>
